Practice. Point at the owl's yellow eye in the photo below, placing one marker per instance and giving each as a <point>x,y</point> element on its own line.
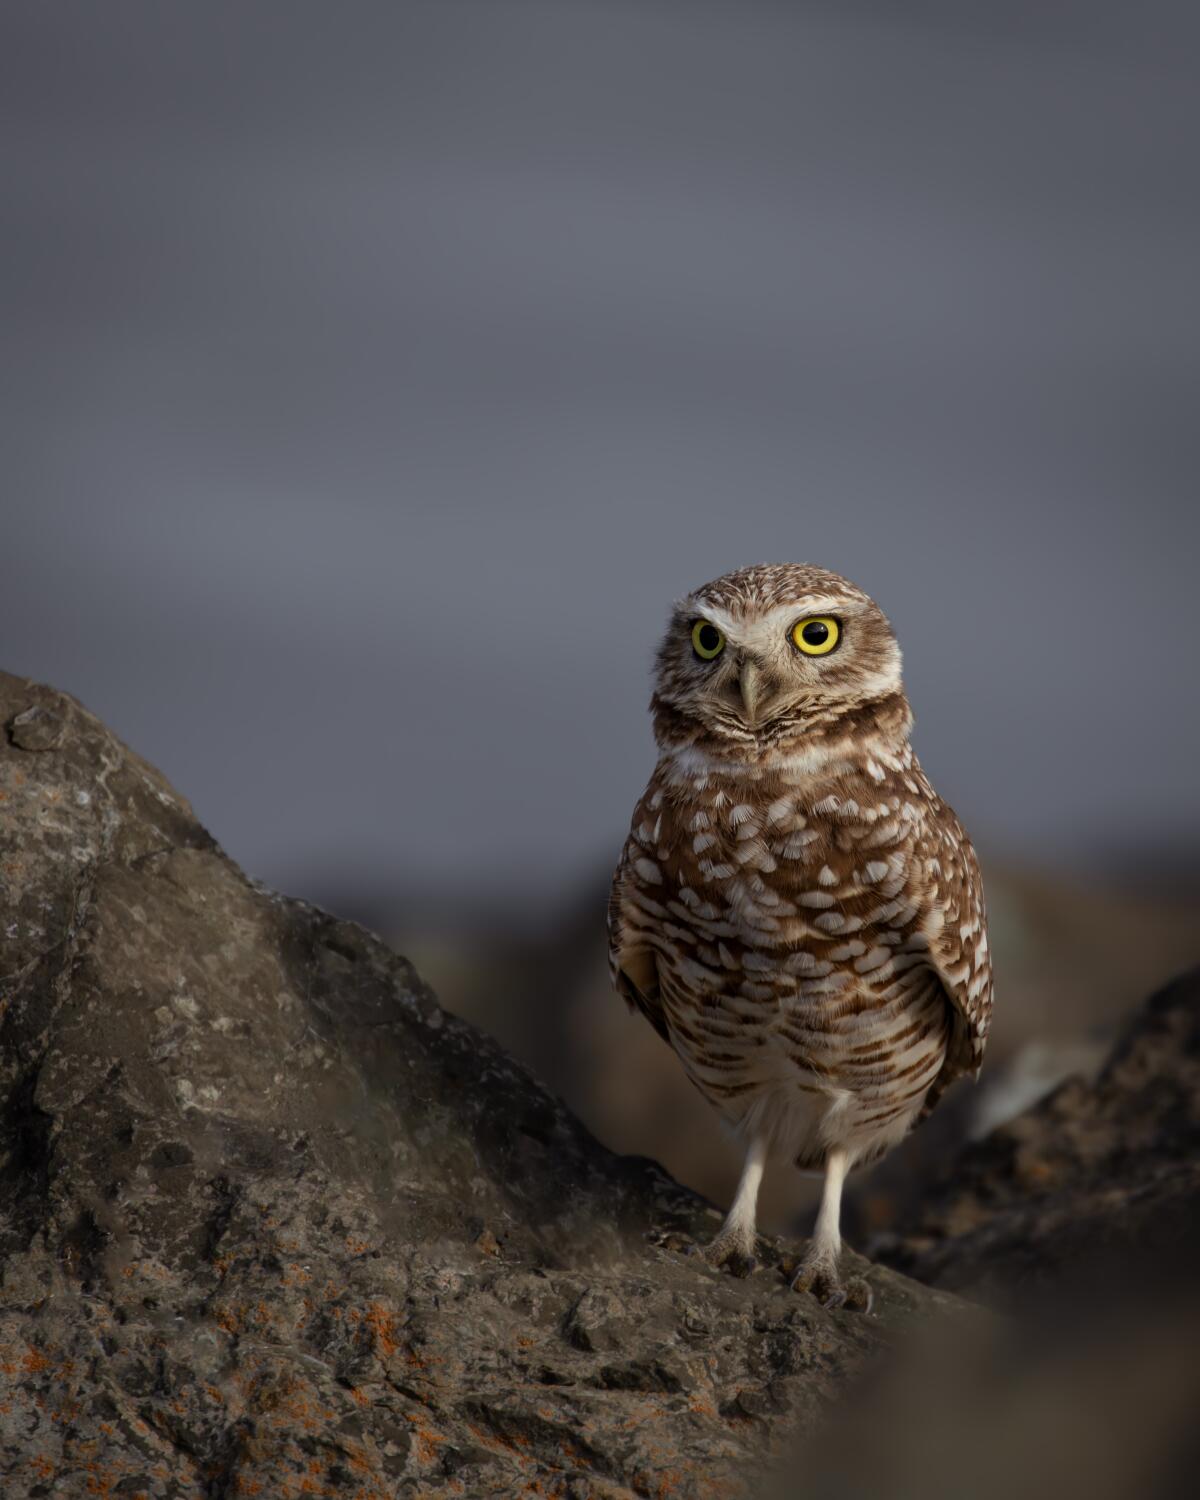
<point>707,640</point>
<point>817,635</point>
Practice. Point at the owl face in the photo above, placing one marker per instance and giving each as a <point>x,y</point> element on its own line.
<point>772,653</point>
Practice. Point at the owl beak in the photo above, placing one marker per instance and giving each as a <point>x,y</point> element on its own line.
<point>750,683</point>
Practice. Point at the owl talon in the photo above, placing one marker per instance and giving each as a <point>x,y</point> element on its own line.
<point>817,1277</point>
<point>725,1255</point>
<point>820,1277</point>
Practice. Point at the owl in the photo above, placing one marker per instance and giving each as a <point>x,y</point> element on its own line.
<point>796,911</point>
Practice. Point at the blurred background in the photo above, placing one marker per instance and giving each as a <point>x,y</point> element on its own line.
<point>375,375</point>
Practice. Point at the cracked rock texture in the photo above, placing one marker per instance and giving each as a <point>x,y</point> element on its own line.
<point>1103,1173</point>
<point>273,1223</point>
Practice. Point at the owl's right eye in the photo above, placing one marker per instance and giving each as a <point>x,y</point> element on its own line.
<point>707,640</point>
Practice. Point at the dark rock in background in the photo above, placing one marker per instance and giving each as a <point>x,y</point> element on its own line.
<point>274,1223</point>
<point>1106,1174</point>
<point>1092,1390</point>
<point>1072,960</point>
<point>1080,1217</point>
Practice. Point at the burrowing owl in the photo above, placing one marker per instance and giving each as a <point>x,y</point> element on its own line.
<point>796,911</point>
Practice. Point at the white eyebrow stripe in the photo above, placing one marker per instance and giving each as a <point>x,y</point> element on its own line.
<point>777,620</point>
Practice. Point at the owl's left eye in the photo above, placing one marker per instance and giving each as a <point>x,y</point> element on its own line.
<point>816,635</point>
<point>707,640</point>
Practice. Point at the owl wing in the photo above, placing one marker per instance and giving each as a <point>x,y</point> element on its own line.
<point>955,926</point>
<point>631,960</point>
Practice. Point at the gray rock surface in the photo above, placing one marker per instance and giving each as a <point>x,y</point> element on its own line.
<point>1103,1175</point>
<point>273,1223</point>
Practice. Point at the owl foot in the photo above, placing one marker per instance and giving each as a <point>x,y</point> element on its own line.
<point>727,1252</point>
<point>818,1275</point>
<point>733,1253</point>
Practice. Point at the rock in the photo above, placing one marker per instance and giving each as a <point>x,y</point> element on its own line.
<point>1088,1394</point>
<point>275,1223</point>
<point>1103,1173</point>
<point>35,728</point>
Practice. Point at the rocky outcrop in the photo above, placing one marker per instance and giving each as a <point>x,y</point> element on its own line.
<point>273,1223</point>
<point>1096,1174</point>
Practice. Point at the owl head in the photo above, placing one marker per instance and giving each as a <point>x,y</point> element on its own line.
<point>775,657</point>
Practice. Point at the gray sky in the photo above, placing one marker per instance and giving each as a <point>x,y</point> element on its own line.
<point>373,378</point>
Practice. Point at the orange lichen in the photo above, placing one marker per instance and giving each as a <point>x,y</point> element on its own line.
<point>228,1319</point>
<point>383,1326</point>
<point>427,1443</point>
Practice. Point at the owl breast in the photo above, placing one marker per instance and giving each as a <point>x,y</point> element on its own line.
<point>790,931</point>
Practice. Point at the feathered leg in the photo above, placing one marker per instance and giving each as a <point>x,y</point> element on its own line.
<point>818,1271</point>
<point>734,1245</point>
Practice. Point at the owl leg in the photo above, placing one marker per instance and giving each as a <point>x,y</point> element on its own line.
<point>734,1245</point>
<point>818,1271</point>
